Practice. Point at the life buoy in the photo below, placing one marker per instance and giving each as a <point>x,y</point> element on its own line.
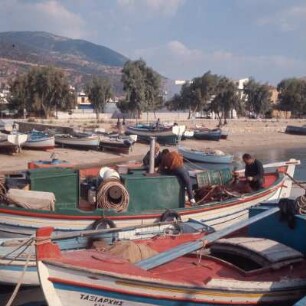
<point>170,215</point>
<point>103,223</point>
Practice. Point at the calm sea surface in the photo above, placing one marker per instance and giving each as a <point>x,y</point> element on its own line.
<point>34,297</point>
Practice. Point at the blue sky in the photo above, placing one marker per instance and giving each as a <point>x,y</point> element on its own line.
<point>181,39</point>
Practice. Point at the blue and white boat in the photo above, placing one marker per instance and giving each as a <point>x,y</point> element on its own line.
<point>209,156</point>
<point>39,141</point>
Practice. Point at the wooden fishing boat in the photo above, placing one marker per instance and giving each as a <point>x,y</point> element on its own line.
<point>117,143</point>
<point>207,134</point>
<point>78,140</point>
<point>296,130</point>
<point>133,200</point>
<point>12,141</point>
<point>233,271</point>
<point>165,136</point>
<point>39,141</point>
<point>19,254</point>
<point>209,156</point>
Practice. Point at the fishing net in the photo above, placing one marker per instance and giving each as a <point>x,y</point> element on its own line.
<point>128,250</point>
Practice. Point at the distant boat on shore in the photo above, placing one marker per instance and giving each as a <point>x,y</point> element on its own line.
<point>214,157</point>
<point>78,140</point>
<point>39,141</point>
<point>296,130</point>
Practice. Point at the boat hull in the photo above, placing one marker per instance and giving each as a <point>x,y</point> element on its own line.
<point>20,222</point>
<point>296,130</point>
<point>207,135</point>
<point>76,142</point>
<point>64,285</point>
<point>200,156</point>
<point>40,144</point>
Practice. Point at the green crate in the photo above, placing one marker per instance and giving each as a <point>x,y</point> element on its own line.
<point>63,182</point>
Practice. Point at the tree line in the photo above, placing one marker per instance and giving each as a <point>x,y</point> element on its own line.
<point>45,90</point>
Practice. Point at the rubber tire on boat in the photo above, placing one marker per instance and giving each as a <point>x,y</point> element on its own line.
<point>170,215</point>
<point>103,224</point>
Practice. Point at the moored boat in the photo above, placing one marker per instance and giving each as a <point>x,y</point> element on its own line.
<point>207,134</point>
<point>165,136</point>
<point>39,140</point>
<point>233,271</point>
<point>296,130</point>
<point>78,140</point>
<point>19,254</point>
<point>209,156</point>
<point>12,141</point>
<point>117,143</point>
<point>133,199</point>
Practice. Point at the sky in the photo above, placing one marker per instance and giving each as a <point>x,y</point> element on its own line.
<point>181,39</point>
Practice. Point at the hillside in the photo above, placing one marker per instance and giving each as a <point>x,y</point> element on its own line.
<point>80,59</point>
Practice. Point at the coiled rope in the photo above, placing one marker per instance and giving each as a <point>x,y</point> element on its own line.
<point>300,204</point>
<point>112,195</point>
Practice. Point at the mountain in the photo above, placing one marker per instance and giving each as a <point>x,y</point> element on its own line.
<point>80,59</point>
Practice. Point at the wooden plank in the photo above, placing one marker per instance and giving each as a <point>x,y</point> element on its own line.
<point>189,247</point>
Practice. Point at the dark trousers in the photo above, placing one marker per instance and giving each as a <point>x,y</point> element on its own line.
<point>183,174</point>
<point>256,185</point>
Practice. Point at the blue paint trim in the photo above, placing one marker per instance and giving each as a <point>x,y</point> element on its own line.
<point>17,268</point>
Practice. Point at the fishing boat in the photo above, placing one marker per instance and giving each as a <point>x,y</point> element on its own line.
<point>207,134</point>
<point>164,136</point>
<point>12,141</point>
<point>17,255</point>
<point>39,141</point>
<point>229,271</point>
<point>130,199</point>
<point>78,140</point>
<point>296,130</point>
<point>209,156</point>
<point>117,143</point>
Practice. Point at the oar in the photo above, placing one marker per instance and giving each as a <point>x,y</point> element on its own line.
<point>107,230</point>
<point>189,247</point>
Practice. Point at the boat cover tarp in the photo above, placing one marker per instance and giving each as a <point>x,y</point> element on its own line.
<point>32,199</point>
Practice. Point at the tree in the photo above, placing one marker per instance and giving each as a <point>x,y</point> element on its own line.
<point>99,91</point>
<point>258,97</point>
<point>196,94</point>
<point>292,95</point>
<point>142,87</point>
<point>41,91</point>
<point>226,98</point>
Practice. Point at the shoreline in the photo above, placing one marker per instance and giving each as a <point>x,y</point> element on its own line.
<point>250,136</point>
<point>82,158</point>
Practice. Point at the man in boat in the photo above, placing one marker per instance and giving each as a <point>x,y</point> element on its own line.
<point>254,172</point>
<point>172,163</point>
<point>157,157</point>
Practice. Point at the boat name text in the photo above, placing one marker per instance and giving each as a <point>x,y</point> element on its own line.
<point>100,301</point>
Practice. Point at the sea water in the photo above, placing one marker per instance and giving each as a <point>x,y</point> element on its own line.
<point>34,296</point>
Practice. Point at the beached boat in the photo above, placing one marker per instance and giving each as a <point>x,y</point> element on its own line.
<point>296,130</point>
<point>209,156</point>
<point>117,143</point>
<point>207,134</point>
<point>12,141</point>
<point>78,140</point>
<point>133,199</point>
<point>165,136</point>
<point>231,271</point>
<point>19,254</point>
<point>39,141</point>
